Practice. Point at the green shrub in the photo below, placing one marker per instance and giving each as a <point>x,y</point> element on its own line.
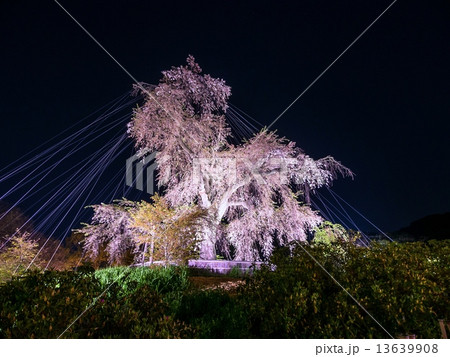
<point>403,286</point>
<point>236,272</point>
<point>43,305</point>
<point>141,314</point>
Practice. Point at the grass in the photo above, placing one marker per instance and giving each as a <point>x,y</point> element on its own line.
<point>162,280</point>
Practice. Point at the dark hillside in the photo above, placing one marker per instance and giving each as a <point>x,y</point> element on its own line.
<point>436,226</point>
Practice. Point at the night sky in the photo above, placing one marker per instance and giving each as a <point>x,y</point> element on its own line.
<point>383,109</point>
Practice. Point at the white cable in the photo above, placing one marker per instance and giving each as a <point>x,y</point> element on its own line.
<point>332,63</point>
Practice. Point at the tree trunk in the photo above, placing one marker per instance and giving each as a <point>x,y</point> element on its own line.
<point>208,249</point>
<point>217,211</point>
<point>143,253</point>
<point>152,247</point>
<point>307,195</point>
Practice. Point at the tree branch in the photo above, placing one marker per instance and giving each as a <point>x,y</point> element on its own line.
<point>238,203</point>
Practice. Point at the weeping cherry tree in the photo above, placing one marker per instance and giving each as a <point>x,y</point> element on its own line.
<point>252,192</point>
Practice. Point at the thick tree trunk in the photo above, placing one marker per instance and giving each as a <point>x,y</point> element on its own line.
<point>217,211</point>
<point>208,250</point>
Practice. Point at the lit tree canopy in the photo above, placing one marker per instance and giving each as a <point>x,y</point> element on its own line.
<point>18,256</point>
<point>148,230</point>
<point>167,234</point>
<point>250,191</point>
<point>110,228</point>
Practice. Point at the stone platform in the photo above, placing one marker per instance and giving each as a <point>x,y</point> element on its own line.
<point>224,266</point>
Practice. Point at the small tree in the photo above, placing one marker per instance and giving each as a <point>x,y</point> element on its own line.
<point>16,258</point>
<point>110,231</point>
<point>328,233</point>
<point>334,237</point>
<point>149,230</point>
<point>165,233</point>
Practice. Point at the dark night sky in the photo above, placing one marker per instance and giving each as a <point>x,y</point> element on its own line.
<point>383,109</point>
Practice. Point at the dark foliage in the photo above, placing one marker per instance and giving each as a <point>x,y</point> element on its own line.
<point>403,286</point>
<point>43,305</point>
<point>214,314</point>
